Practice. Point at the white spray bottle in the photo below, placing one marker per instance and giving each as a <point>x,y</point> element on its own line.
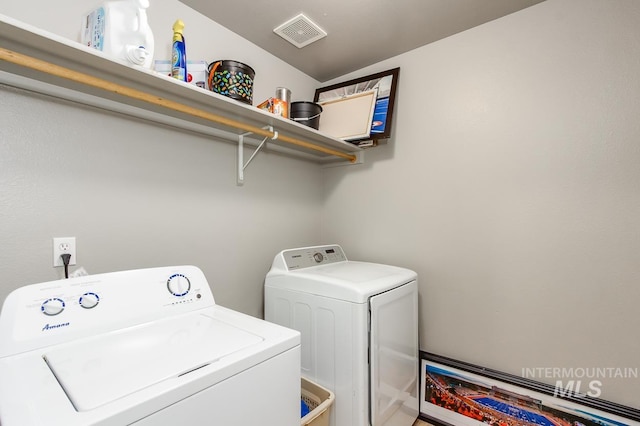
<point>120,28</point>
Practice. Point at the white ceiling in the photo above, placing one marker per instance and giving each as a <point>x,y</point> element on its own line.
<point>360,32</point>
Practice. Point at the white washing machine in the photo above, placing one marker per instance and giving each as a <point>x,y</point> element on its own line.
<point>147,348</point>
<point>359,328</point>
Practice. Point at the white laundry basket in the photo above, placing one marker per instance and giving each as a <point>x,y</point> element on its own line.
<point>319,401</point>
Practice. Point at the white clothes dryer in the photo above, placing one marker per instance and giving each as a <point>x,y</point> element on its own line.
<point>146,348</point>
<point>359,327</point>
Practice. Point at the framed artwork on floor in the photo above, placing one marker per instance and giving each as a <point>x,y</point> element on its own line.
<point>453,393</point>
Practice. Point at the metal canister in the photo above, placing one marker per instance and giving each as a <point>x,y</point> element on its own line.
<point>284,95</point>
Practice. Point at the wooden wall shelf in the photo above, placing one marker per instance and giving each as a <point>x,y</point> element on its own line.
<point>39,61</point>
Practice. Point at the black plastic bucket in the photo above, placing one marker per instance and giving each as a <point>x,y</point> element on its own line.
<point>307,113</point>
<point>233,79</point>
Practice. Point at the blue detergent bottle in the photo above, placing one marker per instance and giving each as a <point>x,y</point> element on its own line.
<point>179,52</point>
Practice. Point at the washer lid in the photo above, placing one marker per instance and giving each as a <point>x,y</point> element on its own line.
<point>349,280</point>
<point>96,371</point>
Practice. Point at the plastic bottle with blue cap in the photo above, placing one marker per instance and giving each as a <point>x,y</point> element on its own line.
<point>179,53</point>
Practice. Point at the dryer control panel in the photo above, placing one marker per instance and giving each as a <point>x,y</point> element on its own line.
<point>313,256</point>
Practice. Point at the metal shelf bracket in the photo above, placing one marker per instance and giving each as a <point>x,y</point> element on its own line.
<point>241,164</point>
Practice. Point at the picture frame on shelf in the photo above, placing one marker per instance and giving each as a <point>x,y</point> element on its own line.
<point>368,123</point>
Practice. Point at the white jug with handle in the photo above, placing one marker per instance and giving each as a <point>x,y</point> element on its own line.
<point>120,29</point>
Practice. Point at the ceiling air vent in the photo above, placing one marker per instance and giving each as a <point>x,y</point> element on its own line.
<point>300,31</point>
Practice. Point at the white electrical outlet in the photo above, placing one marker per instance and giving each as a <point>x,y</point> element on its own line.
<point>61,246</point>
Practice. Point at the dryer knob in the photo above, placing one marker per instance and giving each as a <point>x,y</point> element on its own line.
<point>89,300</point>
<point>178,285</point>
<point>318,257</point>
<point>52,306</point>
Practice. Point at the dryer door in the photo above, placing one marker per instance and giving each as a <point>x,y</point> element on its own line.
<point>393,352</point>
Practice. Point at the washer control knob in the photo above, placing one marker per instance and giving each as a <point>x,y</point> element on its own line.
<point>89,300</point>
<point>52,306</point>
<point>318,257</point>
<point>178,285</point>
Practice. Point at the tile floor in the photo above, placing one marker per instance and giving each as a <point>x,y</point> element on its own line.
<point>421,423</point>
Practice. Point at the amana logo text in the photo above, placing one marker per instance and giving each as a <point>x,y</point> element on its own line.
<point>51,327</point>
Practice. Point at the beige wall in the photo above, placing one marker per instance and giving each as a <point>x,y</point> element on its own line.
<point>512,188</point>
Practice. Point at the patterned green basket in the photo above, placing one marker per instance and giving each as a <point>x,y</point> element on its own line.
<point>233,79</point>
